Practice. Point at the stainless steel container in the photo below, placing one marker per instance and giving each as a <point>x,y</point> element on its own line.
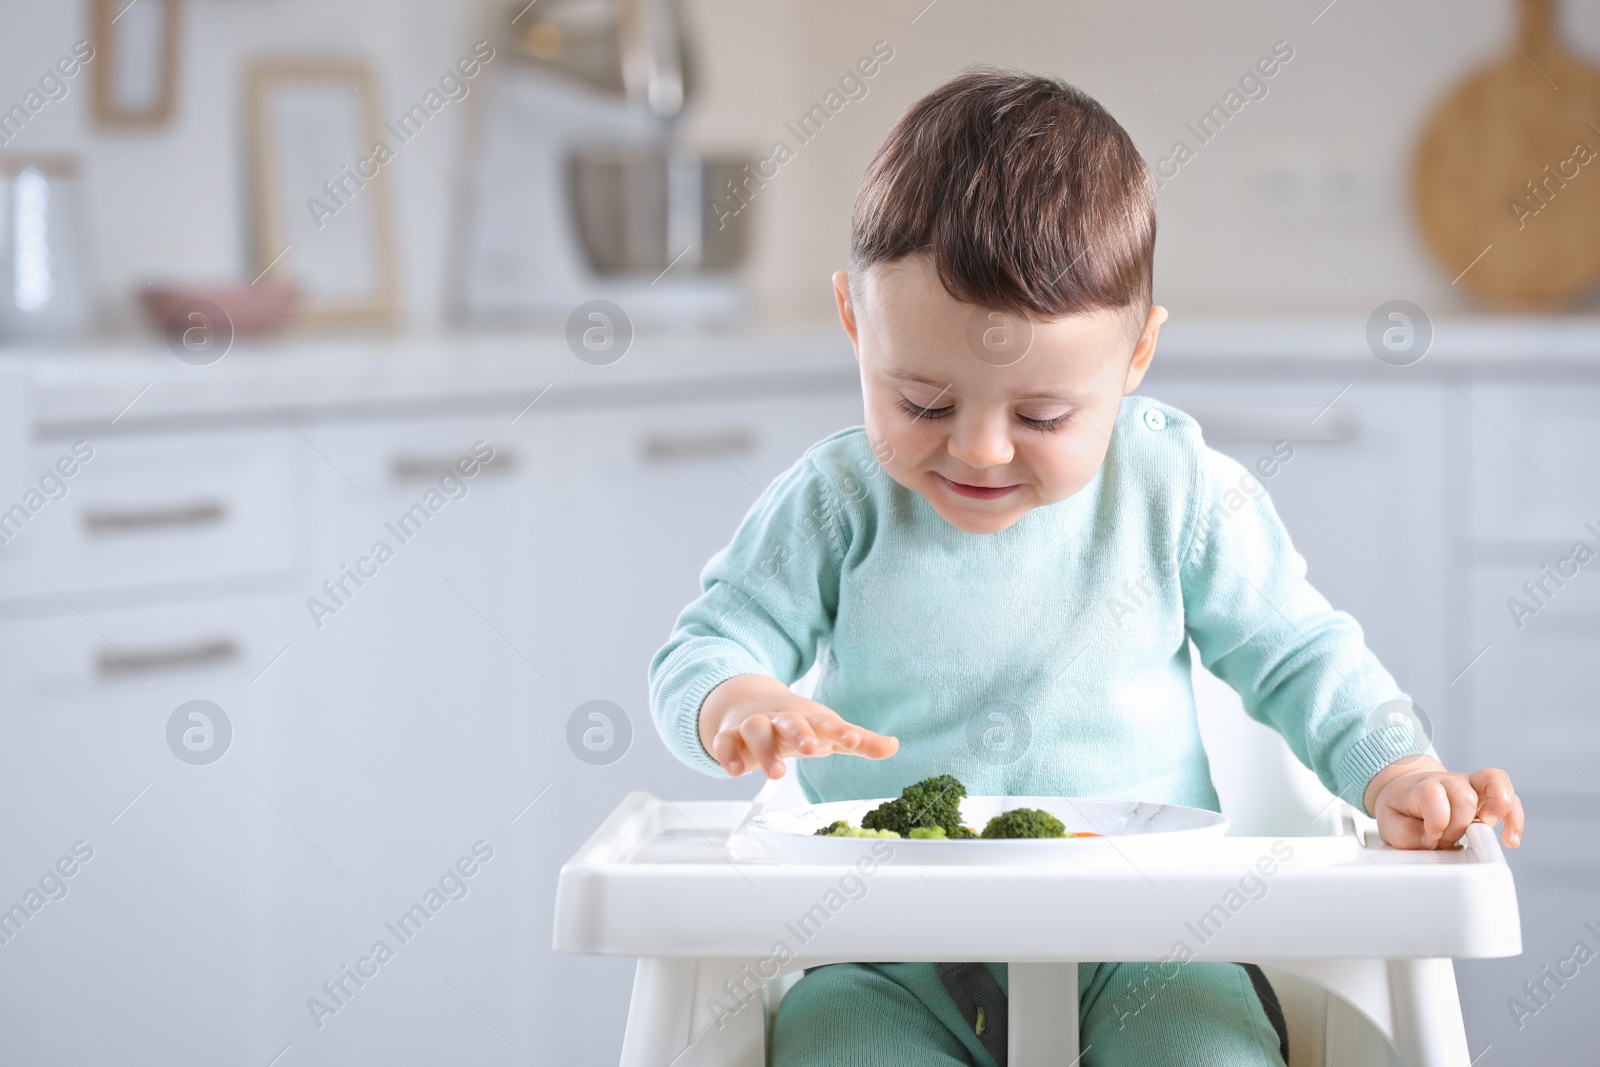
<point>645,208</point>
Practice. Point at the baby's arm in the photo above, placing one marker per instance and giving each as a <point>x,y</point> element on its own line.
<point>754,721</point>
<point>719,688</point>
<point>1304,669</point>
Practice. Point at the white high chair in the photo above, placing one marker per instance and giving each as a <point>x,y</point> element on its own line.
<point>1356,938</point>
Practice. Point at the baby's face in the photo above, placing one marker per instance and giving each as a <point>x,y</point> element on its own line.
<point>982,433</point>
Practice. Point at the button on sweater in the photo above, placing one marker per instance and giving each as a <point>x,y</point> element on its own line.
<point>1049,659</point>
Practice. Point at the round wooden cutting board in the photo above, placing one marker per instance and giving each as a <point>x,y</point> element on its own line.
<point>1506,178</point>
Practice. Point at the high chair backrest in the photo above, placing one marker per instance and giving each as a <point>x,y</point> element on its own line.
<point>1265,791</point>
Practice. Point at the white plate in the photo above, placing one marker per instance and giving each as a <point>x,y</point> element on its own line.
<point>790,833</point>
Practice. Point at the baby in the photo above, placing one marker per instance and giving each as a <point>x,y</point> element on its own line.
<point>1003,569</point>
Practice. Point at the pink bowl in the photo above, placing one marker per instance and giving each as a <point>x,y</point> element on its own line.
<point>253,310</point>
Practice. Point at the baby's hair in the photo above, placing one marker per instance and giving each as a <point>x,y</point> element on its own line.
<point>1026,193</point>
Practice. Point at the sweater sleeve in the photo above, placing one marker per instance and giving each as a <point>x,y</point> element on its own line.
<point>767,599</point>
<point>1300,666</point>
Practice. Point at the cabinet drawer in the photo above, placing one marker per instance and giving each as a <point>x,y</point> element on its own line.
<point>141,511</point>
<point>448,497</point>
<point>747,441</point>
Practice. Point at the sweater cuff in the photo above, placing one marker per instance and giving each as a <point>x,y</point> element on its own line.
<point>693,697</point>
<point>1371,753</point>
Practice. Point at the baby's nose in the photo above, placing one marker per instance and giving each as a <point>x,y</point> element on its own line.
<point>982,443</point>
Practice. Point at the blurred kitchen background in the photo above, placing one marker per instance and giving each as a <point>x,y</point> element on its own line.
<point>547,346</point>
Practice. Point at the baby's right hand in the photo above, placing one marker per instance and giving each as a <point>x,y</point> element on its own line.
<point>755,721</point>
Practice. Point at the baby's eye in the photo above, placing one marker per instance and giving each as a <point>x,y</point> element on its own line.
<point>917,411</point>
<point>1046,424</point>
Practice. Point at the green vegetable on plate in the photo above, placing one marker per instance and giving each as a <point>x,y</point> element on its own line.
<point>931,802</point>
<point>1025,822</point>
<point>840,828</point>
<point>930,810</point>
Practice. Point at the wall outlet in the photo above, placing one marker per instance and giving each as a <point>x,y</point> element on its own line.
<point>1315,183</point>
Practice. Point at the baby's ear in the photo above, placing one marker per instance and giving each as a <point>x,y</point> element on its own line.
<point>847,309</point>
<point>1145,350</point>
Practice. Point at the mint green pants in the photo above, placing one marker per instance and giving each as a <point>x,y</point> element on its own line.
<point>1129,1015</point>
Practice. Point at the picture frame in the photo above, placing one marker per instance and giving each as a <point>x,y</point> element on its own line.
<point>322,207</point>
<point>136,61</point>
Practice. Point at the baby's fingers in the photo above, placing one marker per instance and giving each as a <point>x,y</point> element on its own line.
<point>1443,805</point>
<point>1463,809</point>
<point>1497,800</point>
<point>876,746</point>
<point>728,749</point>
<point>855,740</point>
<point>1428,801</point>
<point>760,739</point>
<point>796,736</point>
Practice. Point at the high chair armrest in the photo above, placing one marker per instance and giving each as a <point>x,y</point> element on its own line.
<point>1484,844</point>
<point>1358,823</point>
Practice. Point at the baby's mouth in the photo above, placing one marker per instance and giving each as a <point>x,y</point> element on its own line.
<point>975,492</point>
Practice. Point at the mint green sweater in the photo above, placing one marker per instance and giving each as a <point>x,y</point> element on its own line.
<point>1049,659</point>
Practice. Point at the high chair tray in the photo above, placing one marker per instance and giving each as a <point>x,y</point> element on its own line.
<point>663,879</point>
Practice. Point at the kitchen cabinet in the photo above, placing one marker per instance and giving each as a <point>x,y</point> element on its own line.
<point>390,713</point>
<point>1527,605</point>
<point>1522,461</point>
<point>142,585</point>
<point>174,900</point>
<point>1421,506</point>
<point>415,630</point>
<point>420,735</point>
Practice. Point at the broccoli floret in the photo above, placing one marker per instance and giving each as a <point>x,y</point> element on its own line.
<point>931,802</point>
<point>935,801</point>
<point>891,814</point>
<point>963,833</point>
<point>927,833</point>
<point>1025,822</point>
<point>840,828</point>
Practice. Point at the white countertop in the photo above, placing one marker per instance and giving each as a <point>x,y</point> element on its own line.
<point>99,381</point>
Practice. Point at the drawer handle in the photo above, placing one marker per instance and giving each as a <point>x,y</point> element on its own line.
<point>1274,424</point>
<point>110,520</point>
<point>432,468</point>
<point>671,447</point>
<point>177,657</point>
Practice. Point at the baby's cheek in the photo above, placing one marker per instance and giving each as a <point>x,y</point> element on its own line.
<point>896,444</point>
<point>1072,464</point>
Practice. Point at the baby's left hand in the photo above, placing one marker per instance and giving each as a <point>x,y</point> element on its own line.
<point>1420,804</point>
